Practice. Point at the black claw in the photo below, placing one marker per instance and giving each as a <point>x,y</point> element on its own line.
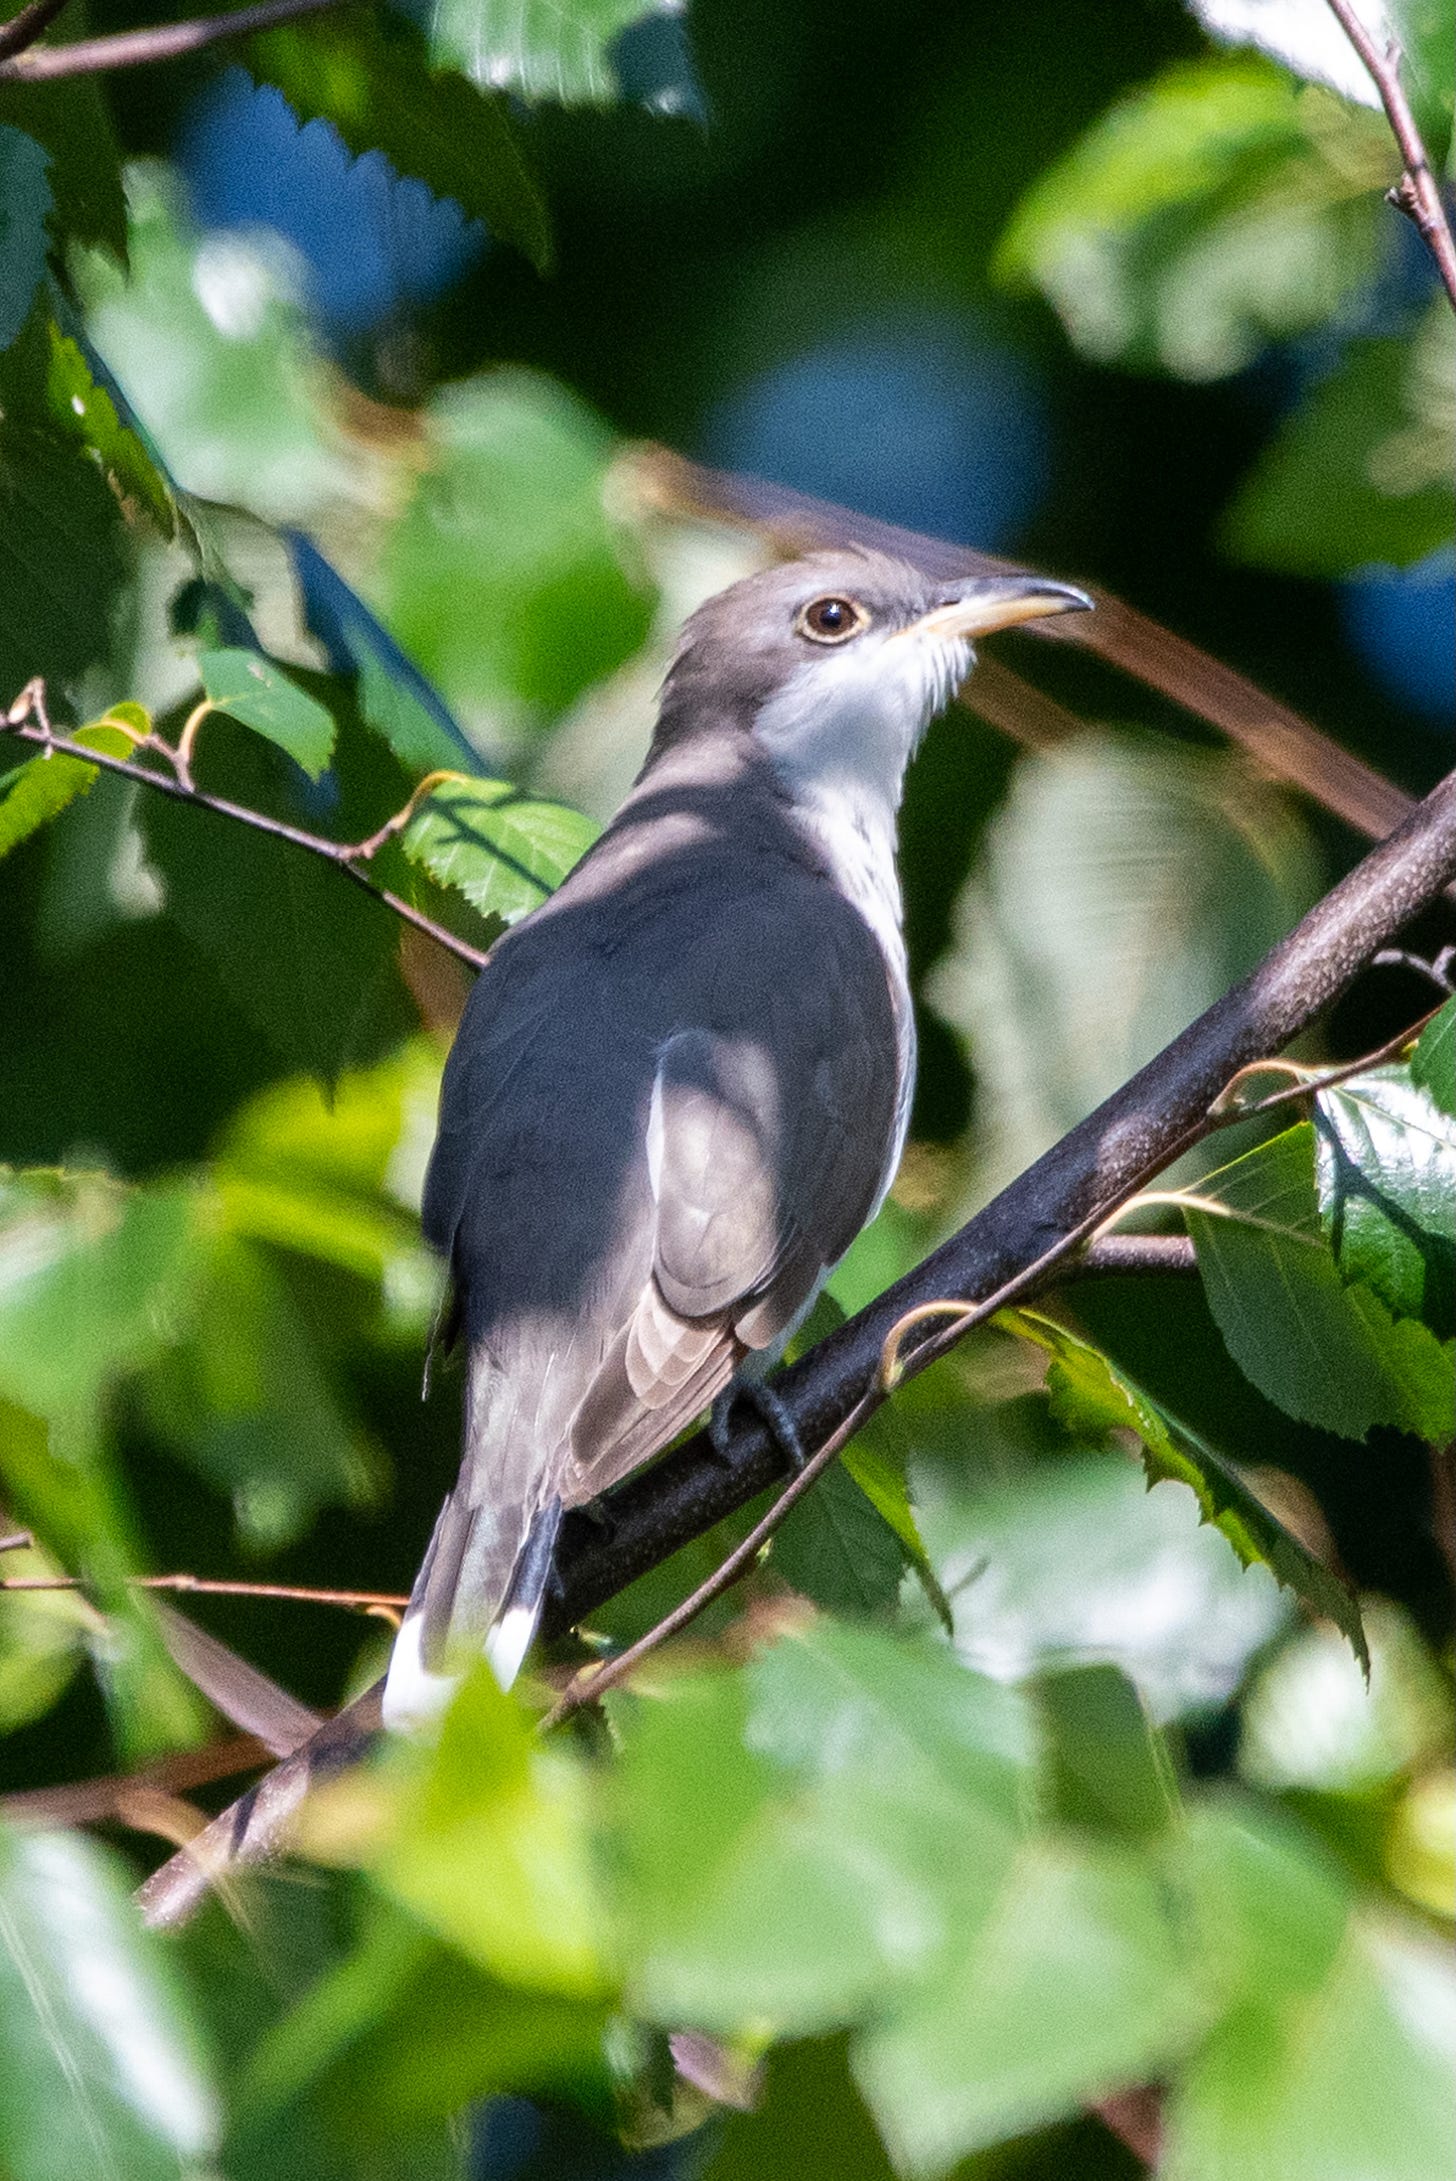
<point>771,1412</point>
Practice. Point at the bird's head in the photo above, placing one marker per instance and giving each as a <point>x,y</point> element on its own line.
<point>838,662</point>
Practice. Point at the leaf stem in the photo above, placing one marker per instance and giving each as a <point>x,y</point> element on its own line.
<point>353,1601</point>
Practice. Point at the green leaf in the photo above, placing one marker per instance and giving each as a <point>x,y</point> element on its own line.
<point>488,1798</point>
<point>1385,1168</point>
<point>100,2069</point>
<point>1333,2057</point>
<point>245,1401</point>
<point>1204,215</point>
<point>1075,1986</point>
<point>1324,1350</point>
<point>1108,1769</point>
<point>810,2122</point>
<point>81,408</point>
<point>502,579</point>
<point>878,1468</point>
<point>256,691</point>
<point>504,851</point>
<point>40,789</point>
<point>213,352</point>
<point>371,80</point>
<point>1076,1558</point>
<point>95,1280</point>
<point>64,557</point>
<point>553,49</point>
<point>66,1483</point>
<point>402,2028</point>
<point>307,956</point>
<point>25,202</point>
<point>1361,471</point>
<point>1124,887</point>
<point>1091,1397</point>
<point>70,118</point>
<point>1433,1064</point>
<point>42,1640</point>
<point>837,1549</point>
<point>1426,33</point>
<point>794,1844</point>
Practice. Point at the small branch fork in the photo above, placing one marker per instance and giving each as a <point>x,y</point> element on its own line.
<point>129,48</point>
<point>1417,193</point>
<point>28,721</point>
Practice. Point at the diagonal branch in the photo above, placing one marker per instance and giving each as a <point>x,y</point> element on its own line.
<point>1417,193</point>
<point>133,48</point>
<point>23,29</point>
<point>1105,1160</point>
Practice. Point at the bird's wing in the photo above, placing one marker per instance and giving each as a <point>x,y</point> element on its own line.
<point>767,1141</point>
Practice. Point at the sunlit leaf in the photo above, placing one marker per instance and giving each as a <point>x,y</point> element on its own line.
<point>42,1639</point>
<point>246,1402</point>
<point>84,409</point>
<point>39,790</point>
<point>1385,1169</point>
<point>1361,471</point>
<point>1332,2061</point>
<point>379,92</point>
<point>100,2067</point>
<point>503,850</point>
<point>1327,1351</point>
<point>95,1279</point>
<point>209,344</point>
<point>554,49</point>
<point>1205,214</point>
<point>488,1798</point>
<point>503,578</point>
<point>1075,1986</point>
<point>1091,1396</point>
<point>255,690</point>
<point>1125,885</point>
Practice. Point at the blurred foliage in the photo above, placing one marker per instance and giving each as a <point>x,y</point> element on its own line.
<point>1090,1727</point>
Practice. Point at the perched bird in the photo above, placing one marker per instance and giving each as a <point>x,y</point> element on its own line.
<point>681,1087</point>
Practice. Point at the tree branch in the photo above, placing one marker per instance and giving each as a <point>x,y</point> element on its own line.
<point>1105,1160</point>
<point>344,856</point>
<point>23,29</point>
<point>1417,193</point>
<point>132,48</point>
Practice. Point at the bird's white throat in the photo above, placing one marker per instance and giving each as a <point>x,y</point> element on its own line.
<point>841,733</point>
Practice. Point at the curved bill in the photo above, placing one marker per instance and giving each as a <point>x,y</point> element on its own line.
<point>977,605</point>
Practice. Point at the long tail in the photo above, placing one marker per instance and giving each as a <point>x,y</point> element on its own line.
<point>459,1608</point>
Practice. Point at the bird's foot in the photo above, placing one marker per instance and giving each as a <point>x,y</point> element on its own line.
<point>771,1411</point>
<point>599,1515</point>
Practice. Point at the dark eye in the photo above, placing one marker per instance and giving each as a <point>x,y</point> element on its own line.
<point>831,620</point>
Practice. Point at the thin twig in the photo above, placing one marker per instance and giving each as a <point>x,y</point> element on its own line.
<point>23,29</point>
<point>16,1541</point>
<point>353,1601</point>
<point>161,42</point>
<point>1443,1505</point>
<point>1416,194</point>
<point>344,856</point>
<point>1310,1081</point>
